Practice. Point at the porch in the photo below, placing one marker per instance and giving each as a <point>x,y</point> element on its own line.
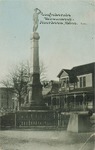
<point>72,101</point>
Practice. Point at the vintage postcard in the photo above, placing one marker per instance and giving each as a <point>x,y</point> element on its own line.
<point>47,74</point>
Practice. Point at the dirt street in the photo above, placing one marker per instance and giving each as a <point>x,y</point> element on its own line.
<point>41,140</point>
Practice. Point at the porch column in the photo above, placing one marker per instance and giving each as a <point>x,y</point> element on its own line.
<point>59,102</point>
<point>67,101</point>
<point>74,100</point>
<point>83,101</point>
<point>51,101</point>
<point>63,102</point>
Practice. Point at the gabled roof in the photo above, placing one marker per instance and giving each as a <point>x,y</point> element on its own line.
<point>84,69</point>
<point>66,70</point>
<point>78,70</point>
<point>71,74</point>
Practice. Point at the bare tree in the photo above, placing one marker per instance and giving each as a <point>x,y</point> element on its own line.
<point>18,78</point>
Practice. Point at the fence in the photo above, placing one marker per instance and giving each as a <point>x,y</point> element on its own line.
<point>7,121</point>
<point>29,119</point>
<point>25,119</point>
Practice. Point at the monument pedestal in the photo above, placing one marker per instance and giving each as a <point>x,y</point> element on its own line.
<point>79,122</point>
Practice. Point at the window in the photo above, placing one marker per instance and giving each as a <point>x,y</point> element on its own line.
<point>65,82</point>
<point>62,84</point>
<point>82,82</point>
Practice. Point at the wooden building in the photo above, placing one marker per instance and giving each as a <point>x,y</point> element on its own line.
<point>76,89</point>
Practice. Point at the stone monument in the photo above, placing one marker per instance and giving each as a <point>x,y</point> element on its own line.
<point>35,98</point>
<point>35,112</point>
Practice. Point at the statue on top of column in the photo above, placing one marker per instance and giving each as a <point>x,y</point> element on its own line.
<point>35,19</point>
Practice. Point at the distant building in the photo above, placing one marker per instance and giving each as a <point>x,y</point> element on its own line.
<point>50,88</point>
<point>77,88</point>
<point>6,98</point>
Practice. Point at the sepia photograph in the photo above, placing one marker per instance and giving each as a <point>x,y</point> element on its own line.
<point>47,74</point>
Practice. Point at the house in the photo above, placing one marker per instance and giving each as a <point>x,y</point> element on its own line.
<point>77,88</point>
<point>6,98</point>
<point>78,78</point>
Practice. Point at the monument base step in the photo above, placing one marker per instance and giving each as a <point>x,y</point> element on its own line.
<point>34,107</point>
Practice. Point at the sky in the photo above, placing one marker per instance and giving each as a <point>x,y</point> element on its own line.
<point>60,46</point>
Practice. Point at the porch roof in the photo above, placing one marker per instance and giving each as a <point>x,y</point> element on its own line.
<point>71,93</point>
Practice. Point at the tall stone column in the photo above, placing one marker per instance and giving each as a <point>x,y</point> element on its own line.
<point>36,94</point>
<point>35,98</point>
